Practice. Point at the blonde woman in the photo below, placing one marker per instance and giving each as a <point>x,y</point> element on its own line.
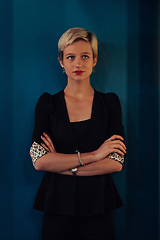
<point>78,140</point>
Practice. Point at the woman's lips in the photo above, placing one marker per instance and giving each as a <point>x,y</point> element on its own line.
<point>78,72</point>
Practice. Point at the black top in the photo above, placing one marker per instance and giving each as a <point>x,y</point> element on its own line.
<point>68,195</point>
<point>79,129</point>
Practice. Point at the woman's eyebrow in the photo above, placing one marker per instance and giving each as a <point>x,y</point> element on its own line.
<point>86,53</point>
<point>69,54</point>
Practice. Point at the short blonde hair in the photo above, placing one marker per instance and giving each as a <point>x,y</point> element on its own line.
<point>75,34</point>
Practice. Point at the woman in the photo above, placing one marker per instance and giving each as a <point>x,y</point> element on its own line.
<point>78,140</point>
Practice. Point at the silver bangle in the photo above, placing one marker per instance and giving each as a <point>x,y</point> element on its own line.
<point>79,158</point>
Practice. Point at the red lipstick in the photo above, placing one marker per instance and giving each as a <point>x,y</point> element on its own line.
<point>78,72</point>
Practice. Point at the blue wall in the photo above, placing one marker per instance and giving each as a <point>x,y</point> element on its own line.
<point>128,65</point>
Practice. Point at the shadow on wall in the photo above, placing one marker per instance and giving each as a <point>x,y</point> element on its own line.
<point>101,71</point>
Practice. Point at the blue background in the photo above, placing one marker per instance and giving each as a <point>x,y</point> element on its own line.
<point>128,32</point>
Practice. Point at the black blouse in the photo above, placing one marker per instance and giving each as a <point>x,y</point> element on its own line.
<point>79,129</point>
<point>68,195</point>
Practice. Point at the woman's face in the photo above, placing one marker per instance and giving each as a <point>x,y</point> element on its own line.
<point>78,60</point>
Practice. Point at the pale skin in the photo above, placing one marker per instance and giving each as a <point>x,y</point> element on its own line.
<point>79,98</point>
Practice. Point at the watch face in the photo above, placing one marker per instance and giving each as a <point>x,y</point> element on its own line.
<point>74,170</point>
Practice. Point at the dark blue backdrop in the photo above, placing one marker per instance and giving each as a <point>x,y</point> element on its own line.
<point>129,38</point>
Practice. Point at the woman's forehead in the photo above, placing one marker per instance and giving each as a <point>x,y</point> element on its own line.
<point>80,46</point>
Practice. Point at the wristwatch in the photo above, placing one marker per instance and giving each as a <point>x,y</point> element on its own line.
<point>74,170</point>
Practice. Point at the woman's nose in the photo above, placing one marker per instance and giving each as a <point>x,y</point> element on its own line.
<point>78,63</point>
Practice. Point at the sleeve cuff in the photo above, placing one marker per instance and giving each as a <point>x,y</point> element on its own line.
<point>37,151</point>
<point>117,157</point>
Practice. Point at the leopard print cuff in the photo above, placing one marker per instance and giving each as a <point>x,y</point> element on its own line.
<point>116,157</point>
<point>37,151</point>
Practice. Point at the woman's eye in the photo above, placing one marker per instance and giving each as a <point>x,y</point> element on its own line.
<point>85,56</point>
<point>70,57</point>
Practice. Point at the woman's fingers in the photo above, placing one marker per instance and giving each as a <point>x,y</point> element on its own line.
<point>114,137</point>
<point>120,144</point>
<point>48,142</point>
<point>115,144</point>
<point>43,145</point>
<point>120,147</point>
<point>116,150</point>
<point>48,138</point>
<point>117,137</point>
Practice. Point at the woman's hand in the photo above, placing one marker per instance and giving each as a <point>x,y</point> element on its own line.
<point>48,143</point>
<point>113,144</point>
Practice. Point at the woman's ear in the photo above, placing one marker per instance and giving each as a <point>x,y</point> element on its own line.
<point>61,63</point>
<point>94,61</point>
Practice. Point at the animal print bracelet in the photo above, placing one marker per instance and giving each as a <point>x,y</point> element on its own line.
<point>37,151</point>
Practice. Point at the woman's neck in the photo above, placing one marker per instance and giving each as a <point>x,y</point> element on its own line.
<point>79,90</point>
